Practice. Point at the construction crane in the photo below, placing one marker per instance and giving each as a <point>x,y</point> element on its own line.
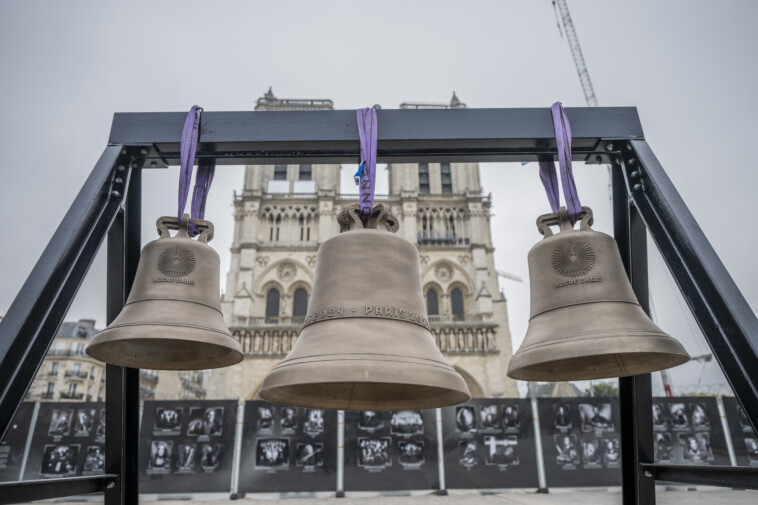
<point>564,18</point>
<point>565,24</point>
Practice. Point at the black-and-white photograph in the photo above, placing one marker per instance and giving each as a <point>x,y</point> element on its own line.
<point>310,455</point>
<point>265,419</point>
<point>100,430</point>
<point>168,421</point>
<point>591,453</point>
<point>94,461</point>
<point>209,456</point>
<point>407,422</point>
<point>185,458</point>
<point>679,418</point>
<point>369,421</point>
<point>664,451</point>
<point>567,450</point>
<point>314,421</point>
<point>160,456</point>
<point>60,422</point>
<point>510,418</point>
<point>660,417</point>
<point>699,416</point>
<point>465,419</point>
<point>562,416</point>
<point>696,447</point>
<point>288,418</point>
<point>467,456</point>
<point>83,422</point>
<point>272,453</point>
<point>751,445</point>
<point>59,460</point>
<point>205,421</point>
<point>611,451</point>
<point>489,417</point>
<point>500,450</point>
<point>595,417</point>
<point>374,452</point>
<point>411,453</point>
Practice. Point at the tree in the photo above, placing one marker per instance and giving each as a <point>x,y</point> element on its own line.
<point>603,389</point>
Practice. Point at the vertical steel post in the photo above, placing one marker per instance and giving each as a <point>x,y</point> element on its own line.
<point>340,454</point>
<point>440,453</point>
<point>237,457</point>
<point>122,384</point>
<point>541,478</point>
<point>28,445</point>
<point>635,393</point>
<point>727,433</point>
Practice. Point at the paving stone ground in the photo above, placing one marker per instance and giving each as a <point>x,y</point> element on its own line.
<point>594,497</point>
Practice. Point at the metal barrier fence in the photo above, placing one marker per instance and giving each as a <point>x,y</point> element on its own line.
<point>225,446</point>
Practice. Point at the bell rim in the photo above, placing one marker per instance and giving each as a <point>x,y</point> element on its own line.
<point>288,395</point>
<point>98,348</point>
<point>662,350</point>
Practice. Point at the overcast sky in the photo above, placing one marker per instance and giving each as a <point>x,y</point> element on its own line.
<point>689,67</point>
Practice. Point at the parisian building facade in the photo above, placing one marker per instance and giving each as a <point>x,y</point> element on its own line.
<point>283,214</point>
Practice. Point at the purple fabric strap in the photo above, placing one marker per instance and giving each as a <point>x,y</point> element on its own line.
<point>547,167</point>
<point>205,170</point>
<point>367,131</point>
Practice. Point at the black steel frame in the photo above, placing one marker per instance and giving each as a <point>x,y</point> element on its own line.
<point>109,203</point>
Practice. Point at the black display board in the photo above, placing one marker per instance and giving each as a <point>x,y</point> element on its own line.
<point>580,441</point>
<point>68,440</point>
<point>688,431</point>
<point>187,446</point>
<point>489,444</point>
<point>744,439</point>
<point>13,444</point>
<point>288,449</point>
<point>388,451</point>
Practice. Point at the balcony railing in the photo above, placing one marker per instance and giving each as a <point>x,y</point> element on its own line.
<point>73,374</point>
<point>47,395</point>
<point>64,395</point>
<point>67,352</point>
<point>441,238</point>
<point>447,319</point>
<point>148,376</point>
<point>252,322</point>
<point>52,373</point>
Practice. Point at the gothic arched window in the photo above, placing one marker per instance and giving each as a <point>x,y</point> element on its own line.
<point>300,302</point>
<point>272,303</point>
<point>432,307</point>
<point>456,304</point>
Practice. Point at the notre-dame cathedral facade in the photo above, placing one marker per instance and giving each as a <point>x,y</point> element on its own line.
<point>283,214</point>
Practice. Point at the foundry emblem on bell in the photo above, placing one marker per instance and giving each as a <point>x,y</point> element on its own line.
<point>585,321</point>
<point>172,319</point>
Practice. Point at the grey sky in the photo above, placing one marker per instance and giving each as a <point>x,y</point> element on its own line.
<point>689,66</point>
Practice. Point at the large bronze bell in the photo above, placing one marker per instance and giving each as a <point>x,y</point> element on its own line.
<point>585,321</point>
<point>172,319</point>
<point>366,343</point>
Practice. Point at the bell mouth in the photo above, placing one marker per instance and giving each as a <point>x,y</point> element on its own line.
<point>365,396</point>
<point>540,364</point>
<point>186,349</point>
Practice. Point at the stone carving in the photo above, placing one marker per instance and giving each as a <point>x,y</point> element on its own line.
<point>311,260</point>
<point>286,271</point>
<point>463,259</point>
<point>444,272</point>
<point>262,260</point>
<point>424,259</point>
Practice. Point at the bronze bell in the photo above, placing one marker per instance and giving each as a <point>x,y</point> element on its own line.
<point>172,319</point>
<point>366,342</point>
<point>585,321</point>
